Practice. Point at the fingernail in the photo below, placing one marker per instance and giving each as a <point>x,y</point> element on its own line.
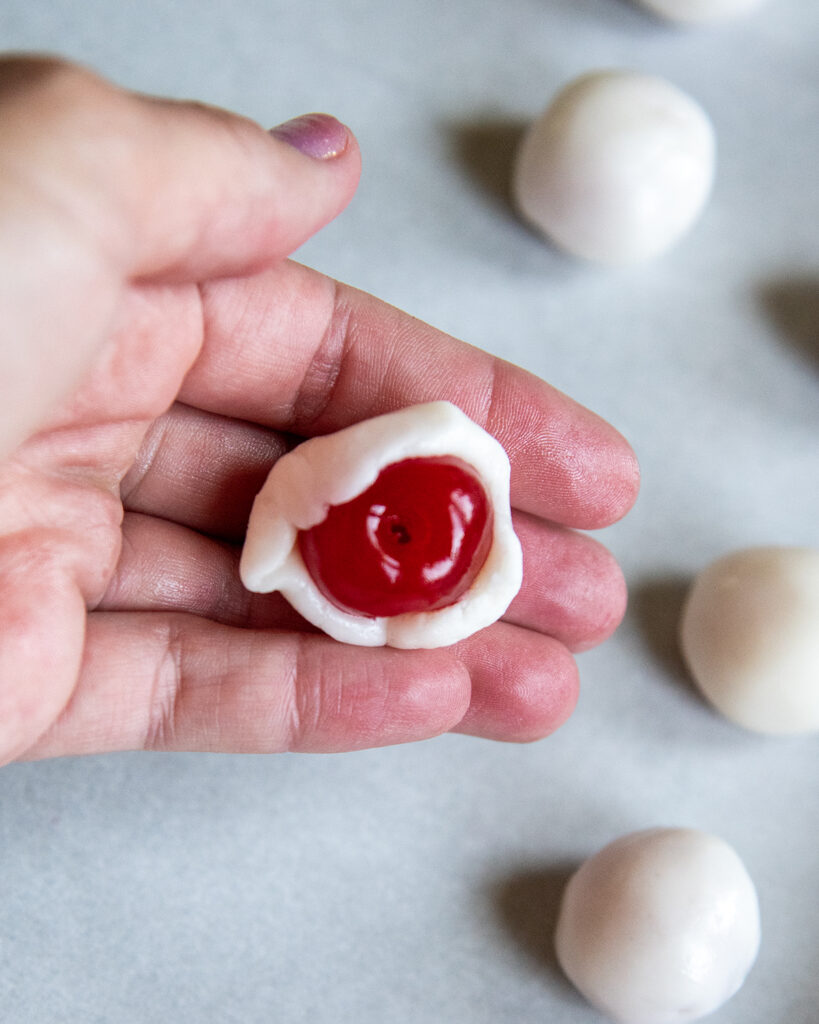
<point>317,135</point>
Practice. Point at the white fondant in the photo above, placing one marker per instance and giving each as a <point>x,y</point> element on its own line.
<point>700,11</point>
<point>659,927</point>
<point>618,167</point>
<point>750,636</point>
<point>336,468</point>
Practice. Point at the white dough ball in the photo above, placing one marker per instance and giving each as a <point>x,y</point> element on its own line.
<point>617,168</point>
<point>695,11</point>
<point>750,636</point>
<point>660,926</point>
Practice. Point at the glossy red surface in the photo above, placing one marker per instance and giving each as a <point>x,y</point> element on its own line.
<point>414,541</point>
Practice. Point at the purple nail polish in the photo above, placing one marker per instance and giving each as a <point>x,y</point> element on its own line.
<point>317,135</point>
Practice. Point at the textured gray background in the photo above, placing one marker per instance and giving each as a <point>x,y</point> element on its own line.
<point>419,883</point>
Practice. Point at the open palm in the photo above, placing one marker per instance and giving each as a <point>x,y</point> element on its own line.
<point>162,354</point>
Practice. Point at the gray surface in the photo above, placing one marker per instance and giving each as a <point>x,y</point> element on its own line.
<point>419,883</point>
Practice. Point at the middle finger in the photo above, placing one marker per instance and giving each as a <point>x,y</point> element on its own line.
<point>572,588</point>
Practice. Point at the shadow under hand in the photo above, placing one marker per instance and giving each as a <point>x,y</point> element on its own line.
<point>528,904</point>
<point>793,307</point>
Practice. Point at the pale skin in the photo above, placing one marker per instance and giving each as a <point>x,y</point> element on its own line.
<point>158,352</point>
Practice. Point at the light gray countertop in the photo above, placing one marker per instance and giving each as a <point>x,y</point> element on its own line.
<point>419,884</point>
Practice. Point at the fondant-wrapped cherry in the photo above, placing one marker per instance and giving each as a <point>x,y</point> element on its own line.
<point>420,535</point>
<point>396,530</point>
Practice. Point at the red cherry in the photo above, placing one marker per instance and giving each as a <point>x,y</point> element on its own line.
<point>414,541</point>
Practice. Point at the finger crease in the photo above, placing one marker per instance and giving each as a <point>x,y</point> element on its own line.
<point>295,717</point>
<point>166,693</point>
<point>145,460</point>
<point>489,394</point>
<point>318,385</point>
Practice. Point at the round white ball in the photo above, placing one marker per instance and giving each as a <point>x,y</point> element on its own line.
<point>750,636</point>
<point>699,11</point>
<point>660,926</point>
<point>617,168</point>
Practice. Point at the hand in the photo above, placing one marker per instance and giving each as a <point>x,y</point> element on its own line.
<point>158,354</point>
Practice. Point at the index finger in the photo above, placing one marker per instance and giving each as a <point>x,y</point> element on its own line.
<point>295,351</point>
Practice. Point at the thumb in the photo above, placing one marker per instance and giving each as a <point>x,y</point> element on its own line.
<point>166,187</point>
<point>100,187</point>
<point>216,195</point>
